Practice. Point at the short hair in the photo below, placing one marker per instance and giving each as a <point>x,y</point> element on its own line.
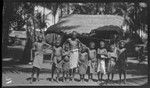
<point>92,43</point>
<point>74,32</point>
<point>102,41</point>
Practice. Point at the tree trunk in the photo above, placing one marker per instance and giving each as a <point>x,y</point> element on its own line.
<point>7,15</point>
<point>97,8</point>
<point>68,9</point>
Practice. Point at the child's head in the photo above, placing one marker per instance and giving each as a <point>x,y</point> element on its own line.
<point>66,48</point>
<point>92,45</point>
<point>57,43</point>
<point>83,49</point>
<point>74,35</point>
<point>112,47</point>
<point>102,44</point>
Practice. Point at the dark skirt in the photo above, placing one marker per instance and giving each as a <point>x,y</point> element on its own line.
<point>111,66</point>
<point>121,66</point>
<point>66,66</point>
<point>83,68</point>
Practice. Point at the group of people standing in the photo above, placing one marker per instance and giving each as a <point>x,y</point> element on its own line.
<point>75,57</point>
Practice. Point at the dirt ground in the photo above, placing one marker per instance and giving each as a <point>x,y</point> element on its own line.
<point>17,74</point>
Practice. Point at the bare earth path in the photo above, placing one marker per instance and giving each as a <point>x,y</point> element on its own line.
<point>19,75</point>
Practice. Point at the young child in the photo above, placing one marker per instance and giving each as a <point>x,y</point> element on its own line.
<point>66,64</point>
<point>38,58</point>
<point>122,61</point>
<point>101,55</point>
<point>57,60</point>
<point>92,60</point>
<point>112,57</point>
<point>83,60</point>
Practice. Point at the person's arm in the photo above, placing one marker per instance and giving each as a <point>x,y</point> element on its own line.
<point>125,54</point>
<point>52,55</point>
<point>33,51</point>
<point>98,53</point>
<point>114,56</point>
<point>95,54</point>
<point>49,46</point>
<point>108,54</point>
<point>61,52</point>
<point>66,44</point>
<point>105,52</point>
<point>83,45</point>
<point>34,46</point>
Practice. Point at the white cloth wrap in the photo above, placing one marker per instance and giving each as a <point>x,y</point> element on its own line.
<point>101,67</point>
<point>74,57</point>
<point>38,60</point>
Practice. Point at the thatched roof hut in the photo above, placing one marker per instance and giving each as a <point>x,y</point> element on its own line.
<point>85,23</point>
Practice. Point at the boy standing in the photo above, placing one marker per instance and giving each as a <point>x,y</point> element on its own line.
<point>57,60</point>
<point>92,60</point>
<point>122,60</point>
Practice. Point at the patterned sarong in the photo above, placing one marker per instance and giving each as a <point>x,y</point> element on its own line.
<point>74,57</point>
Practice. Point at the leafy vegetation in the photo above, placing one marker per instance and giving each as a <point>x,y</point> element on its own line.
<point>22,16</point>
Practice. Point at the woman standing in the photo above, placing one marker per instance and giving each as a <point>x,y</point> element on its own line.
<point>74,48</point>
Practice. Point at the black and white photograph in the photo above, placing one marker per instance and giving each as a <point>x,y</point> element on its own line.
<point>74,44</point>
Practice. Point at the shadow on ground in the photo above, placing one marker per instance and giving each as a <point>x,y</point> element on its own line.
<point>137,69</point>
<point>133,68</point>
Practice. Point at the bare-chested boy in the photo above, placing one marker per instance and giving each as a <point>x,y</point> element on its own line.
<point>92,60</point>
<point>57,60</point>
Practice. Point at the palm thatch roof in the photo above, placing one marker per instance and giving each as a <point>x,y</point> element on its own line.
<point>85,23</point>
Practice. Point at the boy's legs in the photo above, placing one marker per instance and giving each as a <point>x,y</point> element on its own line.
<point>83,77</point>
<point>80,77</point>
<point>108,75</point>
<point>120,73</point>
<point>64,73</point>
<point>32,75</point>
<point>67,75</point>
<point>53,70</point>
<point>38,72</point>
<point>124,73</point>
<point>98,76</point>
<point>101,76</point>
<point>112,76</point>
<point>73,73</point>
<point>88,76</point>
<point>58,71</point>
<point>70,73</point>
<point>88,71</point>
<point>91,76</point>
